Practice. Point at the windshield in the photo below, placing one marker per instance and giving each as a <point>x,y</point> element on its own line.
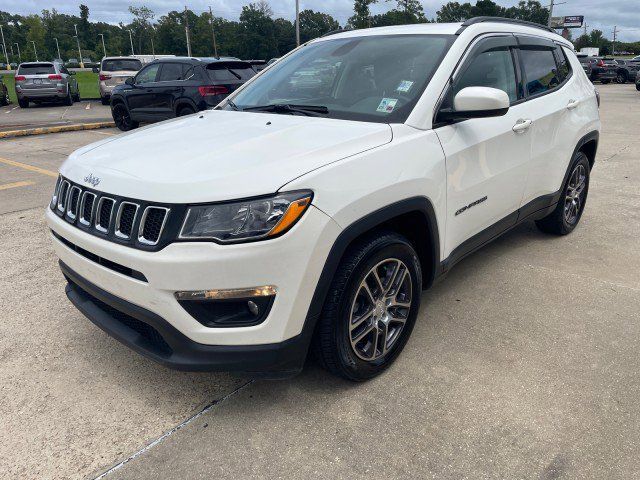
<point>372,79</point>
<point>124,64</point>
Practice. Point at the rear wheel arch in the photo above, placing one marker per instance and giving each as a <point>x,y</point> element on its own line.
<point>589,146</point>
<point>180,104</point>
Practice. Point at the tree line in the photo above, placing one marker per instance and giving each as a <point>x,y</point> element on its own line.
<point>257,34</point>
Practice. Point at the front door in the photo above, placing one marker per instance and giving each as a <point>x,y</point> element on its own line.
<point>140,98</point>
<point>486,158</point>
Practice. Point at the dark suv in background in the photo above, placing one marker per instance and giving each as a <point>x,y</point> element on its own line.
<point>172,87</point>
<point>600,69</point>
<point>627,70</point>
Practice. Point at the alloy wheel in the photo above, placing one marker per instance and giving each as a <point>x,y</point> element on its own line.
<point>576,192</point>
<point>380,309</point>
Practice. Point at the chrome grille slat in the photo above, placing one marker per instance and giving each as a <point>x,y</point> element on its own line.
<point>124,224</point>
<point>73,202</point>
<point>62,196</point>
<point>152,225</point>
<point>88,201</point>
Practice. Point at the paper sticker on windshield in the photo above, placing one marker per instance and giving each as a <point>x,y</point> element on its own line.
<point>387,105</point>
<point>405,86</point>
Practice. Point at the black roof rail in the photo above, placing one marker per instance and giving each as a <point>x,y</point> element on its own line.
<point>515,21</point>
<point>333,32</point>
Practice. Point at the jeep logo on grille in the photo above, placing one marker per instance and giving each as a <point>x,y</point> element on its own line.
<point>92,180</point>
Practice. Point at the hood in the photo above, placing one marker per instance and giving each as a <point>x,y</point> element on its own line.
<point>219,155</point>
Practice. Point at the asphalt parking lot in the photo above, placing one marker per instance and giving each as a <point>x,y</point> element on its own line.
<point>523,363</point>
<point>12,117</point>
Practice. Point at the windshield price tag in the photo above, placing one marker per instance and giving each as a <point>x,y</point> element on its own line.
<point>405,86</point>
<point>387,105</point>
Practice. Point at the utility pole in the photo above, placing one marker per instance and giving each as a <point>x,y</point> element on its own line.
<point>186,31</point>
<point>613,44</point>
<point>298,23</point>
<point>79,51</point>
<point>101,35</point>
<point>153,48</point>
<point>550,14</point>
<point>34,49</point>
<point>19,56</point>
<point>213,34</point>
<point>131,41</point>
<point>585,27</point>
<point>58,48</point>
<point>5,48</point>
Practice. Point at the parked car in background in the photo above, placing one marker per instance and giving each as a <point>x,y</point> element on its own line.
<point>4,93</point>
<point>258,65</point>
<point>638,81</point>
<point>604,70</point>
<point>113,72</point>
<point>150,58</point>
<point>45,82</point>
<point>627,70</point>
<point>72,63</point>
<point>288,219</point>
<point>272,61</point>
<point>173,87</point>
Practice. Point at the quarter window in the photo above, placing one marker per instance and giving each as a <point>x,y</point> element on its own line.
<point>540,69</point>
<point>171,72</point>
<point>493,68</point>
<point>564,68</point>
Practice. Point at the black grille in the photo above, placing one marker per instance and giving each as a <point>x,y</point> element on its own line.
<point>127,217</point>
<point>87,206</point>
<point>74,199</point>
<point>150,334</point>
<point>104,215</point>
<point>154,219</point>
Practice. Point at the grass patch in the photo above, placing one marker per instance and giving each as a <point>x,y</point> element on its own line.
<point>87,81</point>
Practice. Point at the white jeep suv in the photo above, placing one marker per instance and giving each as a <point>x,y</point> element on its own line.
<point>311,208</point>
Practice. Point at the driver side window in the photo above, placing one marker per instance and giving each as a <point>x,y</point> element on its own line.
<point>148,74</point>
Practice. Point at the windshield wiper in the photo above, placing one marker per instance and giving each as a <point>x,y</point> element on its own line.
<point>232,105</point>
<point>309,110</point>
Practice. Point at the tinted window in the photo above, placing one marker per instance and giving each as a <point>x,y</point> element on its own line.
<point>493,69</point>
<point>124,64</point>
<point>377,78</point>
<point>564,68</point>
<point>539,69</point>
<point>36,69</point>
<point>148,74</point>
<point>221,72</point>
<point>172,72</point>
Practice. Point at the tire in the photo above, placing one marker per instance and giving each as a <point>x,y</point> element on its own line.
<point>566,216</point>
<point>604,82</point>
<point>104,100</point>
<point>4,99</point>
<point>621,78</point>
<point>185,111</point>
<point>76,97</point>
<point>638,86</point>
<point>336,345</point>
<point>23,102</point>
<point>68,101</point>
<point>122,118</point>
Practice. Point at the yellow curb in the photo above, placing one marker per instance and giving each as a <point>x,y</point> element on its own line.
<point>57,129</point>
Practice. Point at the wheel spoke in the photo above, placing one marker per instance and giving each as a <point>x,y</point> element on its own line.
<point>379,285</point>
<point>367,290</point>
<point>374,344</point>
<point>363,334</point>
<point>392,278</point>
<point>384,333</point>
<point>355,323</point>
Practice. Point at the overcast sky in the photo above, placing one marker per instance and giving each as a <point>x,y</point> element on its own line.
<point>602,14</point>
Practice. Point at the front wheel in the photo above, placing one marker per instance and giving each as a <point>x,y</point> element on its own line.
<point>621,78</point>
<point>370,308</point>
<point>568,212</point>
<point>68,101</point>
<point>122,118</point>
<point>4,99</point>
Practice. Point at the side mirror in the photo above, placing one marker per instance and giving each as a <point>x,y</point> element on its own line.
<point>130,81</point>
<point>477,102</point>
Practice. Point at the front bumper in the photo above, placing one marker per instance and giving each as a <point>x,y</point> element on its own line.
<point>154,337</point>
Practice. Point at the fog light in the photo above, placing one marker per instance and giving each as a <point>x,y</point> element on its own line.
<point>242,307</point>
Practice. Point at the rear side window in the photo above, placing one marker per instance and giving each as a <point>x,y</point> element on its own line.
<point>493,68</point>
<point>564,68</point>
<point>172,72</point>
<point>230,72</point>
<point>148,74</point>
<point>36,69</point>
<point>121,64</point>
<point>540,69</point>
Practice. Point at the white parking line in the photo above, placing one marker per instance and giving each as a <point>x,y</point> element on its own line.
<point>9,111</point>
<point>64,113</point>
<point>88,106</point>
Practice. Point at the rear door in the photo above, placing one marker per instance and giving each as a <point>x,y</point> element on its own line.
<point>169,87</point>
<point>556,104</point>
<point>486,158</point>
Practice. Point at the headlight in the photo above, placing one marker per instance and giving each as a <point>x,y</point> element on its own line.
<point>250,219</point>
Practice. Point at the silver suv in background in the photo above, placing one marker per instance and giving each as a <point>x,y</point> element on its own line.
<point>44,82</point>
<point>113,72</point>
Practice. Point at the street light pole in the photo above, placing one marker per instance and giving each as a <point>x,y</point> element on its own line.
<point>186,31</point>
<point>131,42</point>
<point>213,34</point>
<point>298,23</point>
<point>58,48</point>
<point>4,46</point>
<point>34,49</point>
<point>101,35</point>
<point>79,51</point>
<point>19,56</point>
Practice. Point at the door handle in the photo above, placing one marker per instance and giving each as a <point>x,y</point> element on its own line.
<point>522,125</point>
<point>572,104</point>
